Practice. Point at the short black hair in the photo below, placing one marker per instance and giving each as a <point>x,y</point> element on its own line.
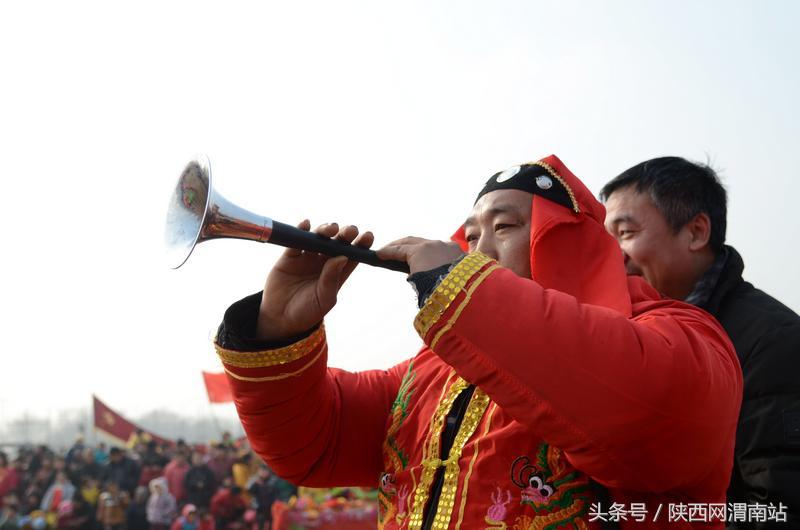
<point>680,189</point>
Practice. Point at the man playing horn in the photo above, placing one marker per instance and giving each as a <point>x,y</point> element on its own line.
<point>549,384</point>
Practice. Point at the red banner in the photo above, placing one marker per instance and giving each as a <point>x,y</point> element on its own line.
<point>219,391</point>
<point>115,425</point>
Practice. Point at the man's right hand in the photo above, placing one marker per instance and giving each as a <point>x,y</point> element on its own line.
<point>302,286</point>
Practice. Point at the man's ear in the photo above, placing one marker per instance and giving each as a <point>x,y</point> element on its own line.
<point>699,228</point>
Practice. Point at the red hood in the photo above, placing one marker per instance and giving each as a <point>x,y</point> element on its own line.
<point>571,250</point>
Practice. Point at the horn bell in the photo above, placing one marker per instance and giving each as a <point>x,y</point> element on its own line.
<point>197,213</point>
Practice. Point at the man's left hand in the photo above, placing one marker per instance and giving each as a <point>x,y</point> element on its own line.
<point>421,254</point>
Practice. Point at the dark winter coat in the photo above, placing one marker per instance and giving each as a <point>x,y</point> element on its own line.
<point>766,335</point>
<point>200,485</point>
<point>125,473</point>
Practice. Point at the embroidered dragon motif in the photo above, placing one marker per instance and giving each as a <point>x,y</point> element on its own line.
<point>389,507</point>
<point>399,414</point>
<point>559,496</point>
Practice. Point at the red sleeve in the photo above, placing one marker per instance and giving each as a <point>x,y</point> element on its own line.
<point>315,426</point>
<point>648,403</point>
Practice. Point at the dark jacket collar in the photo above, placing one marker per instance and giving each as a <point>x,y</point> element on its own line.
<point>729,279</point>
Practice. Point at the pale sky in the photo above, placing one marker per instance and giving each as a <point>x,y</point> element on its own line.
<point>388,115</point>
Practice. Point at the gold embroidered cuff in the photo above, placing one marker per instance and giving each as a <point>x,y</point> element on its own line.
<point>266,358</point>
<point>447,290</point>
<point>278,377</point>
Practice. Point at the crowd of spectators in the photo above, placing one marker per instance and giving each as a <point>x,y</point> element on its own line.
<point>145,486</point>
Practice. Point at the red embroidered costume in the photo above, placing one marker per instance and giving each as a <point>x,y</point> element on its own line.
<point>578,373</point>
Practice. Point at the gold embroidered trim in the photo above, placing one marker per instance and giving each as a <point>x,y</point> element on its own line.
<point>547,520</point>
<point>431,447</point>
<point>280,376</point>
<point>263,359</point>
<point>475,410</point>
<point>465,487</point>
<point>457,313</point>
<point>558,177</point>
<point>446,291</point>
<point>431,428</point>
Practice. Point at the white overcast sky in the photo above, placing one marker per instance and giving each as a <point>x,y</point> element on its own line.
<point>389,115</point>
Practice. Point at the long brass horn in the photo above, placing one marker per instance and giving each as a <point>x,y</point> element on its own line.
<point>198,213</point>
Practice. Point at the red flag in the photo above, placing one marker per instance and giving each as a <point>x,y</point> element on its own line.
<point>219,391</point>
<point>115,425</point>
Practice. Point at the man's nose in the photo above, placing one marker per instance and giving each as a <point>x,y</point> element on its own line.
<point>486,245</point>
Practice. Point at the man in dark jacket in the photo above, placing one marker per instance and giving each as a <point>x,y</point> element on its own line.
<point>669,216</point>
<point>266,488</point>
<point>199,482</point>
<point>122,471</point>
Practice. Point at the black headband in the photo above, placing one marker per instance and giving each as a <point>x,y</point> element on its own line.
<point>532,178</point>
